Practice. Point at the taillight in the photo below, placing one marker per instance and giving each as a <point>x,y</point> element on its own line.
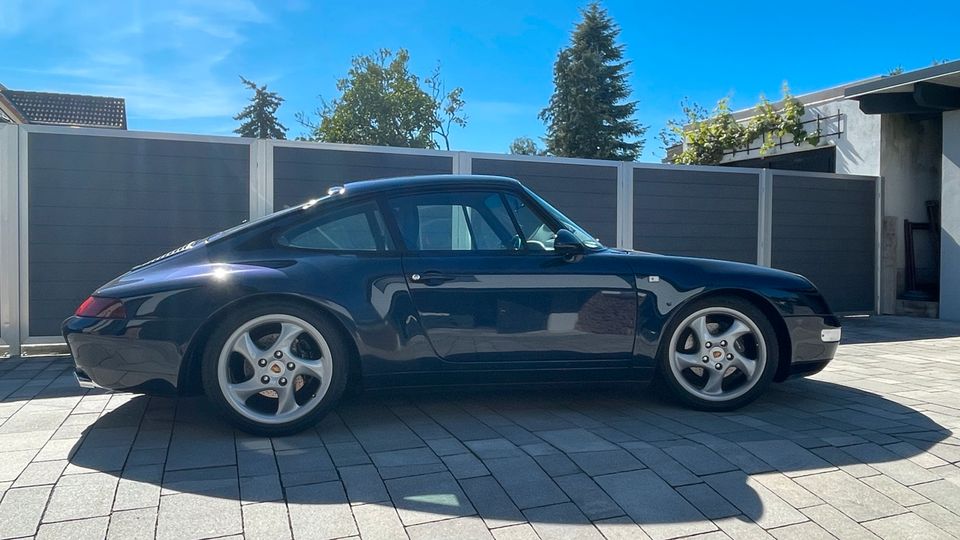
<point>102,308</point>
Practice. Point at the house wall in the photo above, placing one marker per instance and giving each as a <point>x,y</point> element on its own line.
<point>950,218</point>
<point>910,156</point>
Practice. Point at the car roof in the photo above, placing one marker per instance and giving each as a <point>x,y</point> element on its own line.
<point>434,180</point>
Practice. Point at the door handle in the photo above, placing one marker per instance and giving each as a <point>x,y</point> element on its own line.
<point>431,278</point>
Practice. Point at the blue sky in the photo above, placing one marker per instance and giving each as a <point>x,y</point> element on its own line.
<point>177,62</point>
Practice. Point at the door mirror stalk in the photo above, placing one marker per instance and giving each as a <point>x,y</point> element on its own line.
<point>568,245</point>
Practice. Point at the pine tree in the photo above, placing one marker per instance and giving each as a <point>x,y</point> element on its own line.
<point>259,118</point>
<point>588,115</point>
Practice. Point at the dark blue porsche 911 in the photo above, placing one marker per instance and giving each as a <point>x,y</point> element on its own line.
<point>437,280</point>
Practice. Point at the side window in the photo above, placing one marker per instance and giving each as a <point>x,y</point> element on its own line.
<point>463,221</point>
<point>357,228</point>
<point>537,234</point>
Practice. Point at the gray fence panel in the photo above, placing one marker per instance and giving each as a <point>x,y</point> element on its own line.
<point>100,205</point>
<point>825,229</point>
<point>301,174</point>
<point>585,193</point>
<point>710,214</point>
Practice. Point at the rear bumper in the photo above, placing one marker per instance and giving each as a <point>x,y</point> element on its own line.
<point>813,344</point>
<point>116,355</point>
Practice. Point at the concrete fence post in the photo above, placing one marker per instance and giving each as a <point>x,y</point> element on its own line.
<point>625,205</point>
<point>261,178</point>
<point>10,240</point>
<point>765,217</point>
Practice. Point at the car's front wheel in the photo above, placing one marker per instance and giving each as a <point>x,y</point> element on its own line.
<point>275,369</point>
<point>722,354</point>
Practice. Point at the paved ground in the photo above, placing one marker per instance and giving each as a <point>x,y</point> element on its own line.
<point>866,449</point>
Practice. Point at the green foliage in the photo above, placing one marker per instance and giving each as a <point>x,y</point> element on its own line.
<point>895,71</point>
<point>526,146</point>
<point>588,115</point>
<point>382,103</point>
<point>708,138</point>
<point>259,118</point>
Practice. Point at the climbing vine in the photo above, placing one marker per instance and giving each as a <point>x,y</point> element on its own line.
<point>707,138</point>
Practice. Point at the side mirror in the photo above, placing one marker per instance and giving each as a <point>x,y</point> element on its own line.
<point>565,243</point>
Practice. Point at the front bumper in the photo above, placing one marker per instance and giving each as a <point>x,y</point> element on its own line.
<point>814,340</point>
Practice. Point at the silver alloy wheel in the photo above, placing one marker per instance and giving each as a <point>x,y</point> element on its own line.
<point>274,368</point>
<point>717,354</point>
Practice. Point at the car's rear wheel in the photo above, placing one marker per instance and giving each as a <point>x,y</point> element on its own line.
<point>722,354</point>
<point>275,369</point>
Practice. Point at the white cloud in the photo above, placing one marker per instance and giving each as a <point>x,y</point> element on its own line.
<point>170,60</point>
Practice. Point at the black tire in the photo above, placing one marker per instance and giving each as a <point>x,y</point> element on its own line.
<point>335,340</point>
<point>668,379</point>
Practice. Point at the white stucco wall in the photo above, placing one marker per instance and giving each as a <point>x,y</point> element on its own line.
<point>950,219</point>
<point>910,156</point>
<point>858,145</point>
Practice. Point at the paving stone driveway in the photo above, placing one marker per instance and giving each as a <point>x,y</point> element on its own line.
<point>866,449</point>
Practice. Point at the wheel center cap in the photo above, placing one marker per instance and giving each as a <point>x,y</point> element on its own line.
<point>276,368</point>
<point>716,354</point>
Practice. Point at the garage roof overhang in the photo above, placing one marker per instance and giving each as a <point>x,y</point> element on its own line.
<point>925,91</point>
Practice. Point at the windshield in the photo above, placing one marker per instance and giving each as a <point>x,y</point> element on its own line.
<point>585,238</point>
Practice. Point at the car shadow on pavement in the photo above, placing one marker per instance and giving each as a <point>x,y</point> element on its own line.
<point>543,455</point>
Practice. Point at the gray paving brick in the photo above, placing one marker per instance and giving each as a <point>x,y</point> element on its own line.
<point>21,509</point>
<point>938,515</point>
<point>139,487</point>
<point>378,522</point>
<point>575,440</point>
<point>13,463</point>
<point>266,520</point>
<point>257,462</point>
<point>138,524</point>
<point>707,501</point>
<point>491,502</point>
<point>801,531</point>
<point>428,497</point>
<point>659,510</point>
<point>195,516</point>
<point>754,500</point>
<point>589,497</point>
<point>522,531</point>
<point>787,456</point>
<point>307,459</point>
<point>699,459</point>
<point>620,528</point>
<point>447,446</point>
<point>464,528</point>
<point>525,482</point>
<point>464,466</point>
<point>363,484</point>
<point>837,523</point>
<point>791,492</point>
<point>890,464</point>
<point>493,448</point>
<point>556,464</point>
<point>347,453</point>
<point>71,530</point>
<point>942,492</point>
<point>658,461</point>
<point>81,496</point>
<point>562,521</point>
<point>606,462</point>
<point>907,527</point>
<point>850,496</point>
<point>320,511</point>
<point>40,473</point>
<point>260,489</point>
<point>901,494</point>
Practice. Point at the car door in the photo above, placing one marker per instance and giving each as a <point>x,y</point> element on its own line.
<point>487,290</point>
